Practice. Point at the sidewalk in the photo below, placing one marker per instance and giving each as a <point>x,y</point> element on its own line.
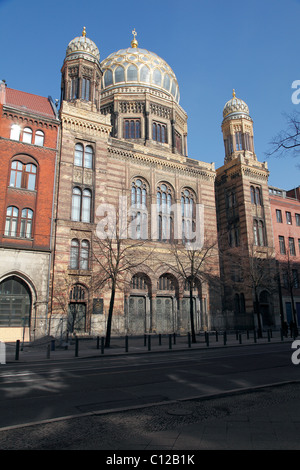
<point>48,348</point>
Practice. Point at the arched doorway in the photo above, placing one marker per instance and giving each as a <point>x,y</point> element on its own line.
<point>166,304</point>
<point>139,304</point>
<point>265,308</point>
<point>15,303</point>
<point>77,309</point>
<point>196,302</point>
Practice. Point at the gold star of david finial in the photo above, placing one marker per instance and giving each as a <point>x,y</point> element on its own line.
<point>134,42</point>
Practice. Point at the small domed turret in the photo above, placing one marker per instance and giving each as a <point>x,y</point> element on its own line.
<point>235,107</point>
<point>237,128</point>
<point>82,47</point>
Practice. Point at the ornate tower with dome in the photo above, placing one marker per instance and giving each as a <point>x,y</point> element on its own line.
<point>244,223</point>
<point>124,137</point>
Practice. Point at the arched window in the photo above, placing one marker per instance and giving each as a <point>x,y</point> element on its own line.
<point>79,254</point>
<point>86,205</point>
<point>74,88</point>
<point>259,233</point>
<point>165,220</point>
<point>166,282</point>
<point>187,214</point>
<point>157,77</point>
<point>132,128</point>
<point>27,135</point>
<point>255,193</point>
<point>74,255</point>
<point>84,255</point>
<point>23,176</point>
<point>132,73</point>
<point>261,237</point>
<point>139,282</point>
<point>139,193</point>
<point>26,223</point>
<point>15,303</point>
<point>16,174</point>
<point>76,204</point>
<point>145,74</point>
<point>257,197</point>
<point>85,89</point>
<point>78,155</point>
<point>252,193</point>
<point>255,232</point>
<point>119,74</point>
<point>88,156</point>
<point>108,78</point>
<point>83,156</point>
<point>39,138</point>
<point>77,293</point>
<point>167,82</point>
<point>159,132</point>
<point>238,141</point>
<point>11,222</point>
<point>30,176</point>
<point>139,215</point>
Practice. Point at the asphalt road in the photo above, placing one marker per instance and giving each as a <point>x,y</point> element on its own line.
<point>39,392</point>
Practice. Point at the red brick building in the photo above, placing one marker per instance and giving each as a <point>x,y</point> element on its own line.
<point>285,212</point>
<point>28,148</point>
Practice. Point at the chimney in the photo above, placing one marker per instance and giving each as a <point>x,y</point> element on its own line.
<point>2,91</point>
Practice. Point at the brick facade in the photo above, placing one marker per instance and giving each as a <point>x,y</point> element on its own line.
<point>26,202</point>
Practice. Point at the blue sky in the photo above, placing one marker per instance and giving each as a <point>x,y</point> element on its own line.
<point>212,46</point>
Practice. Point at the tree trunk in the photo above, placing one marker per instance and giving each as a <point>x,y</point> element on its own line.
<point>258,315</point>
<point>110,314</point>
<point>192,314</point>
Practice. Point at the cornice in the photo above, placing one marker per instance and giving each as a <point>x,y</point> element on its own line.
<point>81,120</point>
<point>162,164</point>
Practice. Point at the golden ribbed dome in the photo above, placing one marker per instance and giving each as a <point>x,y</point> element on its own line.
<point>139,67</point>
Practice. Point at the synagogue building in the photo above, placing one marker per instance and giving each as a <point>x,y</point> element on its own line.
<point>101,196</point>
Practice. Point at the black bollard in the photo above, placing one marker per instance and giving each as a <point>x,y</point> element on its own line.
<point>217,336</point>
<point>189,339</point>
<point>17,350</point>
<point>174,338</point>
<point>76,346</point>
<point>254,336</point>
<point>159,339</point>
<point>269,336</point>
<point>126,343</point>
<point>145,340</point>
<point>240,338</point>
<point>207,338</point>
<point>98,342</point>
<point>225,338</point>
<point>102,345</point>
<point>170,342</point>
<point>149,343</point>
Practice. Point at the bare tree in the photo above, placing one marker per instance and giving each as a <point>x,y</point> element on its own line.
<point>194,265</point>
<point>61,298</point>
<point>257,270</point>
<point>114,256</point>
<point>288,140</point>
<point>289,271</point>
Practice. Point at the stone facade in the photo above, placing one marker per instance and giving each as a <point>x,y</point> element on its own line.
<point>122,152</point>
